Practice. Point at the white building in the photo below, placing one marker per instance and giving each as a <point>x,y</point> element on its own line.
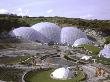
<point>86,57</point>
<point>62,73</point>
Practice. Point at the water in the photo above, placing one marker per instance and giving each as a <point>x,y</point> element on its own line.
<point>61,62</point>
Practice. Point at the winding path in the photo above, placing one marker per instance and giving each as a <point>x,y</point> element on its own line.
<point>90,71</point>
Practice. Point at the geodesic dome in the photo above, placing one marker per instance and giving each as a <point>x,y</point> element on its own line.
<point>105,53</point>
<point>82,41</point>
<point>62,73</point>
<point>70,34</point>
<point>107,46</point>
<point>49,30</point>
<point>25,33</point>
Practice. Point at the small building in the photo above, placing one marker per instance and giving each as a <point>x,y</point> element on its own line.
<point>62,73</point>
<point>86,57</point>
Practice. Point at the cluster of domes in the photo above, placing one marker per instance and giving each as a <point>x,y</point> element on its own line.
<point>46,32</point>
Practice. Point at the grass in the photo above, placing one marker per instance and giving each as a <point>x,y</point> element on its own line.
<point>10,74</point>
<point>107,41</point>
<point>105,61</point>
<point>95,51</point>
<point>92,49</point>
<point>44,76</point>
<point>13,60</point>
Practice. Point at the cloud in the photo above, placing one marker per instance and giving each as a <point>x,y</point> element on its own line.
<point>20,12</point>
<point>50,11</point>
<point>88,16</point>
<point>3,11</point>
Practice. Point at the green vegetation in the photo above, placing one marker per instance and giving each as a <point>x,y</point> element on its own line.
<point>105,61</point>
<point>107,40</point>
<point>10,74</point>
<point>44,76</point>
<point>92,49</point>
<point>5,45</point>
<point>14,60</point>
<point>8,22</point>
<point>70,59</point>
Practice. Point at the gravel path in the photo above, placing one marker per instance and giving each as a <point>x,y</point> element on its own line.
<point>90,71</point>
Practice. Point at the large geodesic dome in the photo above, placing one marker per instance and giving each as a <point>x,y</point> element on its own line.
<point>50,31</point>
<point>25,33</point>
<point>82,41</point>
<point>70,34</point>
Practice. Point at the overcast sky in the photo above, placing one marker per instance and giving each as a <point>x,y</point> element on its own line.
<point>88,9</point>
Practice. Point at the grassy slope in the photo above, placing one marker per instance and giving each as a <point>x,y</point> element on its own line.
<point>45,77</point>
<point>107,40</point>
<point>94,50</point>
<point>12,60</point>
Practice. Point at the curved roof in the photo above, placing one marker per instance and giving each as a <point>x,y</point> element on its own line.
<point>81,41</point>
<point>70,34</point>
<point>25,33</point>
<point>105,53</point>
<point>86,57</point>
<point>107,46</point>
<point>62,73</point>
<point>49,30</point>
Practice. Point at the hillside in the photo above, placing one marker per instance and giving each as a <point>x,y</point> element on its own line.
<point>8,22</point>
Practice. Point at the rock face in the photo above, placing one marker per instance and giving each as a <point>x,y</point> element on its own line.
<point>99,38</point>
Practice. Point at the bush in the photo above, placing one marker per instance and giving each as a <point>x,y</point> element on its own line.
<point>107,40</point>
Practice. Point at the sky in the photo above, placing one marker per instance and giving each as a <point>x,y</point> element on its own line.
<point>86,9</point>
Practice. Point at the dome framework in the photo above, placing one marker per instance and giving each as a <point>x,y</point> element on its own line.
<point>50,31</point>
<point>70,34</point>
<point>26,33</point>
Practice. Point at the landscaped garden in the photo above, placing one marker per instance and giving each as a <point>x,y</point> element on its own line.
<point>14,60</point>
<point>44,76</point>
<point>10,74</point>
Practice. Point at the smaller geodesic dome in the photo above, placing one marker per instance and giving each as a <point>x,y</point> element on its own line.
<point>62,73</point>
<point>50,31</point>
<point>105,53</point>
<point>82,41</point>
<point>107,46</point>
<point>26,33</point>
<point>70,34</point>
